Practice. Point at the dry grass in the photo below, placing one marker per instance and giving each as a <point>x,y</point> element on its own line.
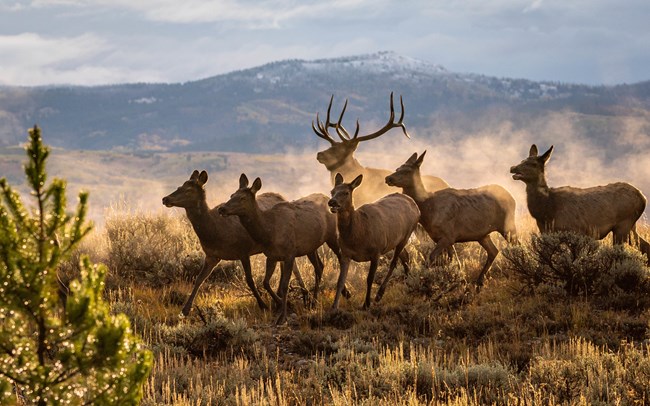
<point>433,339</point>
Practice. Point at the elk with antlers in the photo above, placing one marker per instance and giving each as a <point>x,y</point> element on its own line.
<point>285,231</point>
<point>370,231</point>
<point>338,158</point>
<point>220,238</point>
<point>594,211</point>
<point>458,215</point>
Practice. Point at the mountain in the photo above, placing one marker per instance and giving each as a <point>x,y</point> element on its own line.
<point>268,108</point>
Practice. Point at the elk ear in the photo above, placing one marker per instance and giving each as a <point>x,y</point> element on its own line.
<point>257,185</point>
<point>412,158</point>
<point>533,150</point>
<point>203,178</point>
<point>547,155</point>
<point>356,182</point>
<point>420,159</point>
<point>338,179</point>
<point>243,181</point>
<point>194,175</point>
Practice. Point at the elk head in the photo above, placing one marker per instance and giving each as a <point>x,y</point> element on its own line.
<point>340,151</point>
<point>190,193</point>
<point>243,200</point>
<point>531,168</point>
<point>405,175</point>
<point>342,193</point>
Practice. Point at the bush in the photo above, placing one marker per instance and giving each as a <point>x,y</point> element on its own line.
<point>155,249</point>
<point>582,266</point>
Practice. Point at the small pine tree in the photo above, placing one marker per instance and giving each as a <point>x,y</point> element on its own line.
<point>54,351</point>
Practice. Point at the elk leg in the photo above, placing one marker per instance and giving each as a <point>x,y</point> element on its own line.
<point>246,263</point>
<point>371,278</point>
<point>492,252</point>
<point>340,284</point>
<point>301,283</point>
<point>318,272</point>
<point>208,265</point>
<point>337,251</point>
<point>644,247</point>
<point>285,278</point>
<point>404,259</point>
<point>270,269</point>
<point>393,263</point>
<point>442,246</point>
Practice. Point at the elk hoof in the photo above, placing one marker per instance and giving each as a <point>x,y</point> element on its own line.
<point>346,293</point>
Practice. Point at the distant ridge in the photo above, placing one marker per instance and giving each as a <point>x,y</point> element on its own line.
<point>270,107</point>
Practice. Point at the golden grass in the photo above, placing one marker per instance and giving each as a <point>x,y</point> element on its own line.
<point>433,339</point>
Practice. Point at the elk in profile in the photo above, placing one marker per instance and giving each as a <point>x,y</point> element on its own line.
<point>594,211</point>
<point>458,215</point>
<point>338,158</point>
<point>220,238</point>
<point>285,231</point>
<point>370,231</point>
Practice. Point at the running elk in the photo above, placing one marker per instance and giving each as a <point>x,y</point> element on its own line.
<point>459,215</point>
<point>338,158</point>
<point>370,231</point>
<point>285,231</point>
<point>594,211</point>
<point>220,238</point>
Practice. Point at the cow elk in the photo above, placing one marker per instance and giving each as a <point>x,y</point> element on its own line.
<point>370,231</point>
<point>594,211</point>
<point>220,238</point>
<point>338,158</point>
<point>285,231</point>
<point>459,215</point>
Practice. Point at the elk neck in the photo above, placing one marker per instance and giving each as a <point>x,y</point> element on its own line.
<point>345,220</point>
<point>416,189</point>
<point>347,166</point>
<point>255,223</point>
<point>538,198</point>
<point>202,221</point>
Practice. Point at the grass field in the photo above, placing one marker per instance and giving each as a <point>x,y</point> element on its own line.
<point>433,339</point>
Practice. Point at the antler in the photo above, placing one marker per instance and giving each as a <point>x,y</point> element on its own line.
<point>389,125</point>
<point>322,127</point>
<point>344,135</point>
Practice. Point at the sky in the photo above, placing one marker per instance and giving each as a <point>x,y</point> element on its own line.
<point>93,42</point>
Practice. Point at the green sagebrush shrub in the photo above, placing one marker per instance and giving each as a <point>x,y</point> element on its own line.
<point>52,350</point>
<point>155,249</point>
<point>582,266</point>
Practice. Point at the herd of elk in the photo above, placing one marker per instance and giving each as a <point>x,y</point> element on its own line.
<point>382,221</point>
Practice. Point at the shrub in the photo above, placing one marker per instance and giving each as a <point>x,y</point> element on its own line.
<point>155,249</point>
<point>582,266</point>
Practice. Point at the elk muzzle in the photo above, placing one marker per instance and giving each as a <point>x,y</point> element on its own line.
<point>390,181</point>
<point>516,175</point>
<point>167,201</point>
<point>223,211</point>
<point>334,205</point>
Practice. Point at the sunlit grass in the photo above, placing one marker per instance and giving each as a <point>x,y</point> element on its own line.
<point>433,338</point>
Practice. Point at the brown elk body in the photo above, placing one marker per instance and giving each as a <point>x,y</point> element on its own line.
<point>459,215</point>
<point>594,211</point>
<point>339,157</point>
<point>221,238</point>
<point>285,231</point>
<point>370,231</point>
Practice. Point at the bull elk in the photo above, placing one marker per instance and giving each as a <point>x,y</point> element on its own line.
<point>220,238</point>
<point>339,157</point>
<point>285,231</point>
<point>459,215</point>
<point>594,211</point>
<point>371,230</point>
